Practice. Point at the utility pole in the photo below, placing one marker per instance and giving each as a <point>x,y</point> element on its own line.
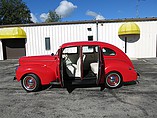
<point>0,4</point>
<point>137,7</point>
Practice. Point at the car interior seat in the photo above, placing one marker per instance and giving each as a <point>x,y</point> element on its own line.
<point>74,70</point>
<point>78,66</point>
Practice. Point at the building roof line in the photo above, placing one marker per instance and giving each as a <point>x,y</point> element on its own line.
<point>84,22</point>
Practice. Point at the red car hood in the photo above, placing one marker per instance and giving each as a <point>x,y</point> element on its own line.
<point>37,59</point>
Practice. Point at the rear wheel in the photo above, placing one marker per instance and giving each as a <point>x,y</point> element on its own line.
<point>31,83</point>
<point>113,80</point>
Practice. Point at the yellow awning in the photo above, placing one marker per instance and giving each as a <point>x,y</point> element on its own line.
<point>129,28</point>
<point>13,32</point>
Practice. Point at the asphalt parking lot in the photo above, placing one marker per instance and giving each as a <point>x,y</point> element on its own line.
<point>129,101</point>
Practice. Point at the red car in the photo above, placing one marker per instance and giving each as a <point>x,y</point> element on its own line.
<point>77,63</point>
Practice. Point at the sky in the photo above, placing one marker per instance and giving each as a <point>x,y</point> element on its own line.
<point>80,10</point>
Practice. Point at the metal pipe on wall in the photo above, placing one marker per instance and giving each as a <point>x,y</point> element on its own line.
<point>97,33</point>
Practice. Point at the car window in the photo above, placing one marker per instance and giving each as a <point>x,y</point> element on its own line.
<point>89,49</point>
<point>70,50</point>
<point>108,52</point>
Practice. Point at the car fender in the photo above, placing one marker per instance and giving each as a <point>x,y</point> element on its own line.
<point>127,72</point>
<point>45,73</point>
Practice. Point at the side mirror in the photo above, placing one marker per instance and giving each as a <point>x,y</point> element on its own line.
<point>52,54</point>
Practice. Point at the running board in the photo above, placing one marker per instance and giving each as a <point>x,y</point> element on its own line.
<point>55,83</point>
<point>80,82</point>
<point>70,82</point>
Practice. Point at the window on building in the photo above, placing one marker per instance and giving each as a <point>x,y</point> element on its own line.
<point>89,29</point>
<point>90,38</point>
<point>47,43</point>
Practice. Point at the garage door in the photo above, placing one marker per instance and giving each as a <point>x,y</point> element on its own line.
<point>13,48</point>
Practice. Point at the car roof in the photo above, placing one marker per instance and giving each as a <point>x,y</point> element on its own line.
<point>84,43</point>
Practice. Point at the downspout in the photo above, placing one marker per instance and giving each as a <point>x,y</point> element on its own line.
<point>1,50</point>
<point>156,45</point>
<point>97,30</point>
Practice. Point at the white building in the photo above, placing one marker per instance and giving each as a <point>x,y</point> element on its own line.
<point>43,39</point>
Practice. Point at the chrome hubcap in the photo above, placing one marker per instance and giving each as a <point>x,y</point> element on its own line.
<point>29,83</point>
<point>113,80</point>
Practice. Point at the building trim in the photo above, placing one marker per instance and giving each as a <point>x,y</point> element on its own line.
<point>84,22</point>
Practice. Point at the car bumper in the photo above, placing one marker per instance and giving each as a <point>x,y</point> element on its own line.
<point>138,77</point>
<point>14,78</point>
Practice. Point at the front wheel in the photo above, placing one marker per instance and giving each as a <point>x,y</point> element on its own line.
<point>113,80</point>
<point>31,83</point>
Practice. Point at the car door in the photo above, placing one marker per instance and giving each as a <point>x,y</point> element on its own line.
<point>100,65</point>
<point>69,64</point>
<point>81,63</point>
<point>60,68</point>
<point>93,62</point>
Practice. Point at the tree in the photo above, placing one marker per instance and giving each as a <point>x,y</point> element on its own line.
<point>53,17</point>
<point>14,12</point>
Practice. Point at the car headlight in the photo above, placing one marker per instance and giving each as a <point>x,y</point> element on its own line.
<point>16,68</point>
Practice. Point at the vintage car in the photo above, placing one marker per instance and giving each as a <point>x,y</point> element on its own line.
<point>77,63</point>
